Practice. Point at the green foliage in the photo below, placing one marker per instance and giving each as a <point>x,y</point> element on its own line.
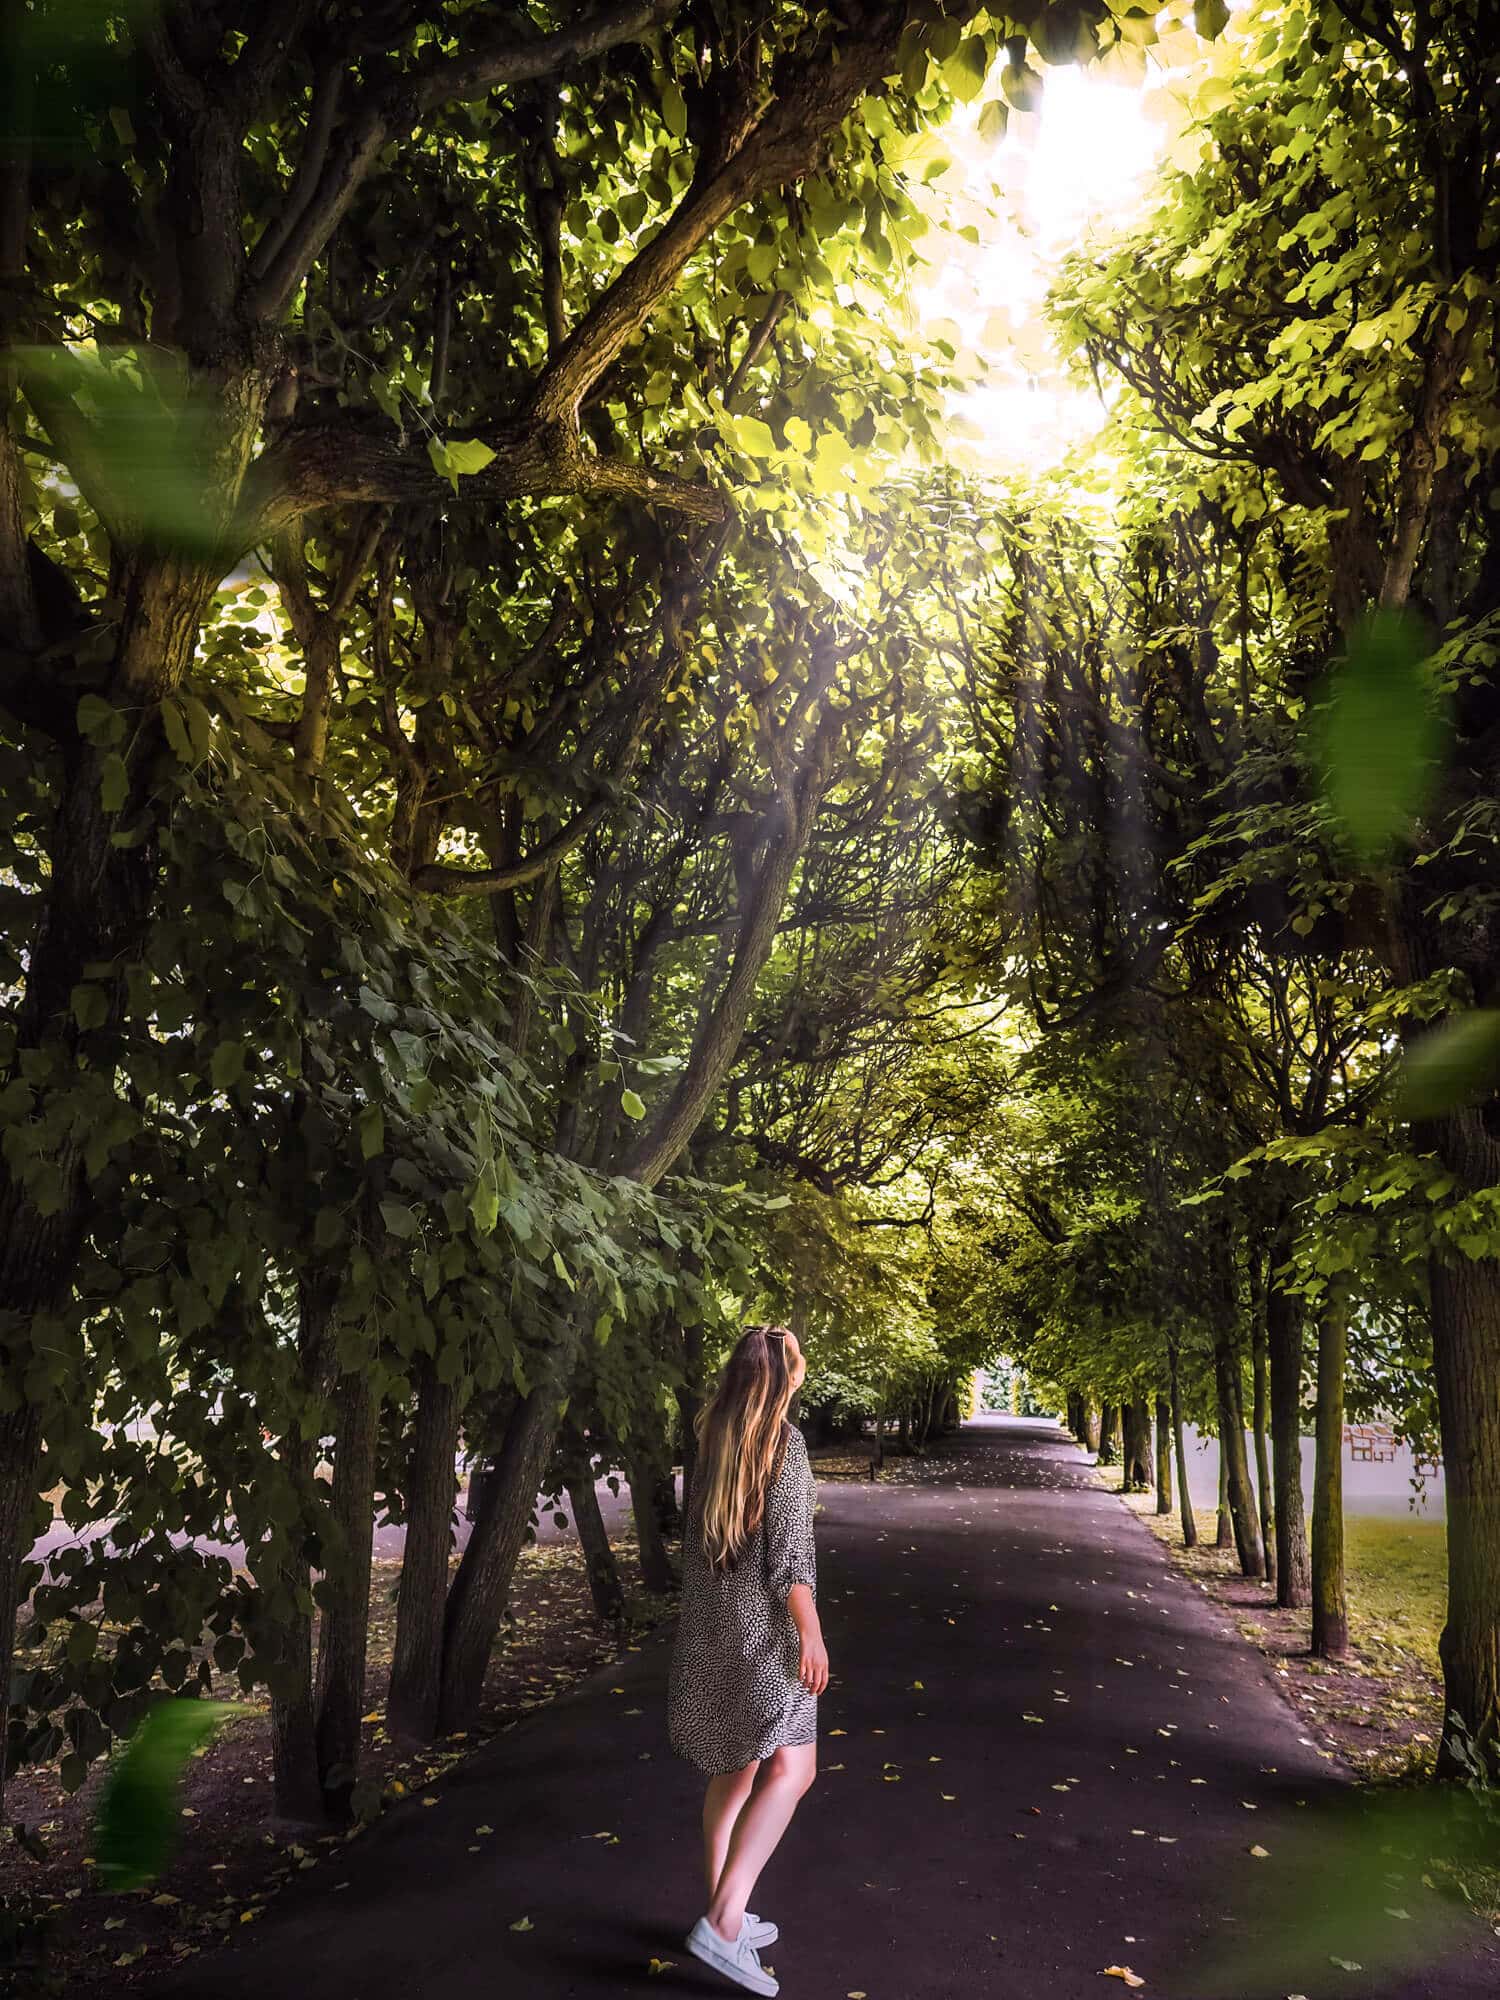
<point>1383,736</point>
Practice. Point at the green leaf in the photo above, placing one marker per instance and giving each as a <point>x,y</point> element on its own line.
<point>631,1105</point>
<point>484,1203</point>
<point>1456,1064</point>
<point>114,783</point>
<point>99,721</point>
<point>227,1065</point>
<point>399,1219</point>
<point>89,1006</point>
<point>175,724</point>
<point>1383,732</point>
<point>674,110</point>
<point>371,1132</point>
<point>138,1817</point>
<point>993,121</point>
<point>1210,18</point>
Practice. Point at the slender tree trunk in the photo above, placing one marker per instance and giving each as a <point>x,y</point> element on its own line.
<point>294,1717</point>
<point>1163,1456</point>
<point>1466,1351</point>
<point>476,1601</point>
<point>1239,1493</point>
<point>1109,1430</point>
<point>1184,1492</point>
<point>1261,1378</point>
<point>1224,1533</point>
<point>1091,1426</point>
<point>343,1637</point>
<point>689,1402</point>
<point>1284,1342</point>
<point>20,1478</point>
<point>294,1745</point>
<point>657,1572</point>
<point>1137,1428</point>
<point>1330,1608</point>
<point>417,1663</point>
<point>593,1538</point>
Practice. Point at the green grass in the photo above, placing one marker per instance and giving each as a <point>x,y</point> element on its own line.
<point>1398,1582</point>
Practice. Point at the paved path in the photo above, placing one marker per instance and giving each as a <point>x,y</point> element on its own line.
<point>1044,1754</point>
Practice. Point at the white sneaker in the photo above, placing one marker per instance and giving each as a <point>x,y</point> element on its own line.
<point>738,1961</point>
<point>758,1931</point>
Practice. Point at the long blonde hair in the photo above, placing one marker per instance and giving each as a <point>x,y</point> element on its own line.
<point>740,1438</point>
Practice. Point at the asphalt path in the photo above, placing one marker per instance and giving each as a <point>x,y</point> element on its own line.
<point>1044,1754</point>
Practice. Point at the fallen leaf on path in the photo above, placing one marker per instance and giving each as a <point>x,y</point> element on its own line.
<point>1347,1964</point>
<point>1261,1853</point>
<point>1122,1972</point>
<point>661,1965</point>
<point>522,1924</point>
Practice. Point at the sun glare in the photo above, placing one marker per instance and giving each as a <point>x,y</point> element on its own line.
<point>1081,167</point>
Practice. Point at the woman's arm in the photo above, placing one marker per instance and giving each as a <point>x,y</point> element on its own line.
<point>792,1558</point>
<point>813,1670</point>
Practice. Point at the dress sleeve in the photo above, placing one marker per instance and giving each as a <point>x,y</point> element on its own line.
<point>790,1558</point>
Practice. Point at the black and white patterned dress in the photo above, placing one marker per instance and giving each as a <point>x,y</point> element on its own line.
<point>734,1695</point>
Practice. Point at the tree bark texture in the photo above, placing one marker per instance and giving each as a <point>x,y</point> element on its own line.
<point>416,1667</point>
<point>1330,1609</point>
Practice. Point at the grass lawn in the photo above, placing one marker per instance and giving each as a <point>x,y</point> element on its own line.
<point>1398,1582</point>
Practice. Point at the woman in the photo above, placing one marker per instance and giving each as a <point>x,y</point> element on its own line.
<point>749,1662</point>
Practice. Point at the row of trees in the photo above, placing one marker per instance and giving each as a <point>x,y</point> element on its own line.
<point>471,796</point>
<point>1250,908</point>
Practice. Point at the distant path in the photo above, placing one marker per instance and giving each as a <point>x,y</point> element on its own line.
<point>1009,1586</point>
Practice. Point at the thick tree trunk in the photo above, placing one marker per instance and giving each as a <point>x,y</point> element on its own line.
<point>1091,1432</point>
<point>1239,1493</point>
<point>689,1401</point>
<point>1109,1434</point>
<point>1330,1609</point>
<point>1466,1354</point>
<point>343,1636</point>
<point>294,1740</point>
<point>1137,1456</point>
<point>1284,1342</point>
<point>1163,1456</point>
<point>417,1664</point>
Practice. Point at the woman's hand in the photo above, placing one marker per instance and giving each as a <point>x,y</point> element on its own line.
<point>813,1671</point>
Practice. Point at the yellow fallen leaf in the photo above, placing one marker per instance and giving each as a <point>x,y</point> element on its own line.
<point>918,1686</point>
<point>429,1801</point>
<point>661,1965</point>
<point>1261,1853</point>
<point>1122,1972</point>
<point>522,1924</point>
<point>373,1716</point>
<point>949,1797</point>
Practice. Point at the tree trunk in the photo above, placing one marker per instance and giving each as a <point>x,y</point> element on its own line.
<point>20,1478</point>
<point>1163,1456</point>
<point>1185,1492</point>
<point>417,1663</point>
<point>1466,1353</point>
<point>343,1637</point>
<point>1109,1430</point>
<point>1330,1608</point>
<point>476,1602</point>
<point>593,1538</point>
<point>1284,1342</point>
<point>1137,1454</point>
<point>294,1744</point>
<point>689,1402</point>
<point>1091,1431</point>
<point>1224,1533</point>
<point>1260,1374</point>
<point>656,1565</point>
<point>1239,1492</point>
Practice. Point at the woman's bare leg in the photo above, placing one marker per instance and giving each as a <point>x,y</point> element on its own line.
<point>785,1777</point>
<point>723,1803</point>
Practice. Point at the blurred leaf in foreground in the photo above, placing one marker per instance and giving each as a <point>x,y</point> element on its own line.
<point>1455,1064</point>
<point>1378,1880</point>
<point>135,436</point>
<point>138,1816</point>
<point>1383,732</point>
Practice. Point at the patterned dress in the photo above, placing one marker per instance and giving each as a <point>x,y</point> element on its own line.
<point>734,1695</point>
